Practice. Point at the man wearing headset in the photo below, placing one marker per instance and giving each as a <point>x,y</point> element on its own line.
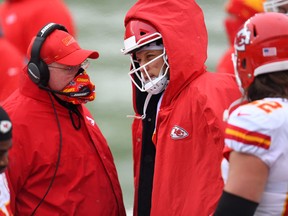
<point>60,161</point>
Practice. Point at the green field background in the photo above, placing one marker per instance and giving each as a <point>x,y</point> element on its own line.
<point>100,27</point>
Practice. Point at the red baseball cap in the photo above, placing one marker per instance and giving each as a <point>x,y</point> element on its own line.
<point>61,47</point>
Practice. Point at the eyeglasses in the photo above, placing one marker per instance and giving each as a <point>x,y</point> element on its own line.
<point>72,69</point>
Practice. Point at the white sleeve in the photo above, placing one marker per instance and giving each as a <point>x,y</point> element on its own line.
<point>4,196</point>
<point>253,131</point>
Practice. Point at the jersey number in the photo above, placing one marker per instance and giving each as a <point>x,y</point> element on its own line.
<point>269,106</point>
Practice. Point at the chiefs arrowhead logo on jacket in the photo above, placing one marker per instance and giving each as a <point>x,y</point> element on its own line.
<point>178,133</point>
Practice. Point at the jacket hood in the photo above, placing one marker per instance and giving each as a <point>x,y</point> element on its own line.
<point>181,24</point>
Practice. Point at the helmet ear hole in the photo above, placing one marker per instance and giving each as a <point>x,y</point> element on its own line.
<point>254,31</point>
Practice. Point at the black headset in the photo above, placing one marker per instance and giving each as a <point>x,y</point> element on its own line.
<point>37,69</point>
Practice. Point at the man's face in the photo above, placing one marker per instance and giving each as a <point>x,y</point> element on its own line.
<point>154,67</point>
<point>4,148</point>
<point>61,75</point>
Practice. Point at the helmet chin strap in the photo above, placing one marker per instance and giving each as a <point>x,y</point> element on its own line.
<point>158,84</point>
<point>154,87</point>
<point>163,81</point>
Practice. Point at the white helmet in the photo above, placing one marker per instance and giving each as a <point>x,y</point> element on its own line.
<point>275,6</point>
<point>140,34</point>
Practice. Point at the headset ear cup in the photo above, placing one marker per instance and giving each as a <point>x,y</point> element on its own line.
<point>39,72</point>
<point>33,72</point>
<point>44,72</point>
<point>37,69</point>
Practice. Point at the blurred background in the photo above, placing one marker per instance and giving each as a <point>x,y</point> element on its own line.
<point>100,27</point>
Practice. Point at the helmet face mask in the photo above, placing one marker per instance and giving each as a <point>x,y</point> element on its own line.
<point>260,50</point>
<point>139,34</point>
<point>148,84</point>
<point>279,6</point>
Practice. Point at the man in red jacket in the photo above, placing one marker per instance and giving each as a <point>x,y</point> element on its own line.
<point>237,11</point>
<point>21,19</point>
<point>60,163</point>
<point>178,132</point>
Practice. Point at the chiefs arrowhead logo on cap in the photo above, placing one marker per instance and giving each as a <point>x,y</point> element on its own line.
<point>5,126</point>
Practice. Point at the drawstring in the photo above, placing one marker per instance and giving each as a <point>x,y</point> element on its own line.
<point>75,111</point>
<point>144,109</point>
<point>72,109</point>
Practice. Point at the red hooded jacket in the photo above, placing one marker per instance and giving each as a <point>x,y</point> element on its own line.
<point>22,19</point>
<point>86,182</point>
<point>187,178</point>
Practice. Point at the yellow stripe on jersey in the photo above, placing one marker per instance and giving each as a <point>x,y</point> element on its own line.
<point>247,137</point>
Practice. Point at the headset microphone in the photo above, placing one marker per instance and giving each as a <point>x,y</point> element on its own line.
<point>85,91</point>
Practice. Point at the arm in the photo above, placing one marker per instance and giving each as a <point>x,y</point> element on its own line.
<point>245,185</point>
